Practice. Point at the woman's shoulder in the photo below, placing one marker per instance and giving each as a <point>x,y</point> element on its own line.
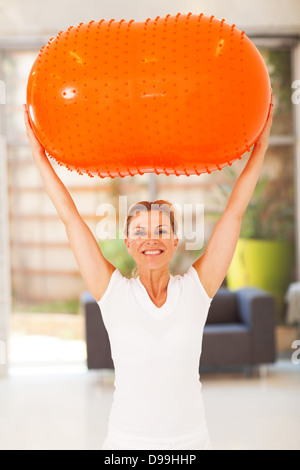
<point>191,278</point>
<point>188,274</point>
<point>116,282</point>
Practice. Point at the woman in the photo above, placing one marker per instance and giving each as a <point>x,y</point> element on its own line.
<point>155,321</point>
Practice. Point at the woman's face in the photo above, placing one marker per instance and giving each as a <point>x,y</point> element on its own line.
<point>151,232</point>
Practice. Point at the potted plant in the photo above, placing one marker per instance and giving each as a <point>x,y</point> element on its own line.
<point>265,251</point>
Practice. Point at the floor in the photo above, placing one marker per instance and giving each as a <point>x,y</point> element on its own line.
<point>66,407</point>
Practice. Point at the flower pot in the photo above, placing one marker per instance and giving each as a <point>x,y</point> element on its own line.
<point>266,264</point>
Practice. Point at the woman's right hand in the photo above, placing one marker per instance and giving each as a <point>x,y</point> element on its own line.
<point>37,148</point>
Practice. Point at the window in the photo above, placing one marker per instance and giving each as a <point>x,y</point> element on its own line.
<point>40,254</point>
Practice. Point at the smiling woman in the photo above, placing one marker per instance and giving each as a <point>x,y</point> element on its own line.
<point>143,216</point>
<point>155,340</point>
<point>152,241</point>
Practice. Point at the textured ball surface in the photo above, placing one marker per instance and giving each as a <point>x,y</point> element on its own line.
<point>181,95</point>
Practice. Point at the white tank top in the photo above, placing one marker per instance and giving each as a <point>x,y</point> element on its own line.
<point>156,353</point>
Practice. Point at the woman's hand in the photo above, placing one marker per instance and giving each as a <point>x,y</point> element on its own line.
<point>263,140</point>
<point>36,147</point>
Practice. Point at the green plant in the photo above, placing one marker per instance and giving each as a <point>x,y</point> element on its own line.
<point>269,216</point>
<point>68,306</point>
<point>116,252</point>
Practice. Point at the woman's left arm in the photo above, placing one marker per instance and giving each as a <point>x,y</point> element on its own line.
<point>213,265</point>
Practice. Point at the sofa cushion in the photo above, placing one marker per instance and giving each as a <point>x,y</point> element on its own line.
<point>226,328</point>
<point>223,308</point>
<point>226,345</point>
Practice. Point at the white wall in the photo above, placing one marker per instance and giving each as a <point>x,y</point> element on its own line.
<point>27,17</point>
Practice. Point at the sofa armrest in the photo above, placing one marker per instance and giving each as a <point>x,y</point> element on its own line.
<point>97,340</point>
<point>257,309</point>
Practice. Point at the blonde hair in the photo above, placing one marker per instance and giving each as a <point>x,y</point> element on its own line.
<point>146,206</point>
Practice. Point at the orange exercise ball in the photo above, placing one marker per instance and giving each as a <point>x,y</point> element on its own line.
<point>182,95</point>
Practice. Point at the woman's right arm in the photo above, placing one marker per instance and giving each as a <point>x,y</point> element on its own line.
<point>95,269</point>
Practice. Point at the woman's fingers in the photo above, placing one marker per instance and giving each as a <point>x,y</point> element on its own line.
<point>270,118</point>
<point>34,142</point>
<point>264,136</point>
<point>27,123</point>
<point>270,113</point>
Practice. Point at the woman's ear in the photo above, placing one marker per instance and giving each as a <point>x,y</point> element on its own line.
<point>127,244</point>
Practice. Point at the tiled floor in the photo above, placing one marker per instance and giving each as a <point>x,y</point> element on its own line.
<point>67,407</point>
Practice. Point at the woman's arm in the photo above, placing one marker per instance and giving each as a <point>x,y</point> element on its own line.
<point>245,184</point>
<point>56,190</point>
<point>95,269</point>
<point>213,265</point>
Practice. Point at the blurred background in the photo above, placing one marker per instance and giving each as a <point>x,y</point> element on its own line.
<point>48,396</point>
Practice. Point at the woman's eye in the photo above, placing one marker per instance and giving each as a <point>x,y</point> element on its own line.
<point>142,232</point>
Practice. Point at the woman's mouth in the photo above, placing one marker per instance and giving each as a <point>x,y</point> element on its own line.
<point>152,252</point>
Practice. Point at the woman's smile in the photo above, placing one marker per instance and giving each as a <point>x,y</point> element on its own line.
<point>153,252</point>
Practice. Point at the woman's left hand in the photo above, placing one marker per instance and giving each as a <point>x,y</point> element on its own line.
<point>263,140</point>
<point>36,146</point>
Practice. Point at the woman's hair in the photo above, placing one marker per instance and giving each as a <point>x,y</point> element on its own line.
<point>146,206</point>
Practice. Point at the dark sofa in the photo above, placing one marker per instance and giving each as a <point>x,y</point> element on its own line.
<point>240,331</point>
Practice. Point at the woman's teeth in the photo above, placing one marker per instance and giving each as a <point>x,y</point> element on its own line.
<point>156,252</point>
